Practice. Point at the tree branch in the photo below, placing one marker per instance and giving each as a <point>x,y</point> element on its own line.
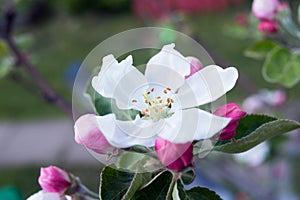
<point>48,93</point>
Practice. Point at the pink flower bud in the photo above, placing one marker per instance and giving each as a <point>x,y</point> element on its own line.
<point>54,179</point>
<point>88,134</point>
<point>253,103</point>
<point>233,111</point>
<point>195,65</point>
<point>267,27</point>
<point>265,9</point>
<point>174,156</point>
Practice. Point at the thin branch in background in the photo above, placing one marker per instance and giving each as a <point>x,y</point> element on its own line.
<point>48,93</point>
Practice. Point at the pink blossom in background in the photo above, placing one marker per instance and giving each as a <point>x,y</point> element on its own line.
<point>265,9</point>
<point>160,9</point>
<point>233,111</point>
<point>261,101</point>
<point>268,27</point>
<point>174,156</point>
<point>88,134</point>
<point>273,98</point>
<point>195,65</point>
<point>253,103</point>
<point>279,98</point>
<point>54,179</point>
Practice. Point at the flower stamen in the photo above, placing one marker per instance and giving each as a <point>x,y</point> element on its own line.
<point>158,107</point>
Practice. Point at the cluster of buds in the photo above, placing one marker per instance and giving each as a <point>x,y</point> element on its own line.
<point>266,11</point>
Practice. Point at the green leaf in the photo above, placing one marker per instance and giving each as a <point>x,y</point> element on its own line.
<point>115,184</point>
<point>161,187</point>
<point>275,62</point>
<point>281,66</point>
<point>260,134</point>
<point>247,125</point>
<point>260,49</point>
<point>196,193</point>
<point>291,72</point>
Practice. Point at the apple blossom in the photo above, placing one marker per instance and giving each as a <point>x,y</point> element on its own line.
<point>268,27</point>
<point>88,134</point>
<point>273,98</point>
<point>265,9</point>
<point>54,179</point>
<point>165,99</point>
<point>235,113</point>
<point>174,156</point>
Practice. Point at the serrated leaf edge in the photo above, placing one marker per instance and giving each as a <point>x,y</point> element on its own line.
<point>297,125</point>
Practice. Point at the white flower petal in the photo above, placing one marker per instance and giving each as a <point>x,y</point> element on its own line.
<point>118,80</point>
<point>207,85</point>
<point>192,124</point>
<point>168,68</point>
<point>123,134</point>
<point>42,195</point>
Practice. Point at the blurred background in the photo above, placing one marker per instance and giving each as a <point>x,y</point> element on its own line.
<point>55,36</point>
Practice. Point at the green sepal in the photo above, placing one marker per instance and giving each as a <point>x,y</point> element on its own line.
<point>188,176</point>
<point>104,106</point>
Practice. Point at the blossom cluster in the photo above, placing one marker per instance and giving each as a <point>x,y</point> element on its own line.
<point>266,11</point>
<point>167,97</point>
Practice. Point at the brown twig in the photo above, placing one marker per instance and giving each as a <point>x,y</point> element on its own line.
<point>48,93</point>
